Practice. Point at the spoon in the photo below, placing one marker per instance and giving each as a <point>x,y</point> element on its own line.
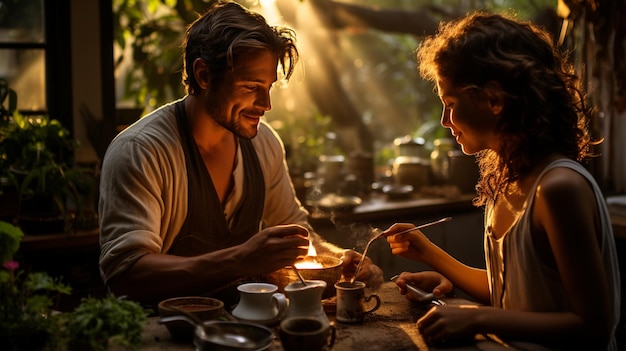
<point>419,294</point>
<point>192,319</point>
<point>188,314</point>
<point>217,334</point>
<point>379,233</point>
<point>299,275</point>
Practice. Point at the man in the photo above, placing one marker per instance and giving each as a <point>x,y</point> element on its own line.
<point>196,196</point>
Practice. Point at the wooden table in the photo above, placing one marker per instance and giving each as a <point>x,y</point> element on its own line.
<point>391,327</point>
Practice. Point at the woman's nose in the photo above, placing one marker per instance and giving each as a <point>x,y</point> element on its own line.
<point>445,117</point>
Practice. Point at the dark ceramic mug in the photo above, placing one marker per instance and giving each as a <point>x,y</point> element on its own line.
<point>306,334</point>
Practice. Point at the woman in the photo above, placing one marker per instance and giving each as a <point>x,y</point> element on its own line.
<point>552,272</point>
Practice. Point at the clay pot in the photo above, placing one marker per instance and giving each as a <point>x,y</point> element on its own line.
<point>463,171</point>
<point>410,170</point>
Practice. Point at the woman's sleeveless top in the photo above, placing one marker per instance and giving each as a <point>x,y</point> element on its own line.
<point>519,280</point>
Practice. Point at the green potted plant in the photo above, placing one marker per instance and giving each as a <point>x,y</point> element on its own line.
<point>109,322</point>
<point>29,319</point>
<point>26,299</point>
<point>37,160</point>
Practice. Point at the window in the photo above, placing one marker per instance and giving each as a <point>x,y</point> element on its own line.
<point>22,54</point>
<point>34,56</point>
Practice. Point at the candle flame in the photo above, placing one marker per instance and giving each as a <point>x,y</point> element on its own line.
<point>308,265</point>
<point>310,261</point>
<point>312,252</point>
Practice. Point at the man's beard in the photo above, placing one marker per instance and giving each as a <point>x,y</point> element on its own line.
<point>216,110</point>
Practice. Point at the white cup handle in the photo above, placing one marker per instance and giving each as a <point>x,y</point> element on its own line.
<point>280,300</point>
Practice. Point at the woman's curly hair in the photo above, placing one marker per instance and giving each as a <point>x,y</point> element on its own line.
<point>544,110</point>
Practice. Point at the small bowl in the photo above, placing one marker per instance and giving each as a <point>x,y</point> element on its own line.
<point>330,273</point>
<point>339,203</point>
<point>398,191</point>
<point>202,308</point>
<point>232,336</point>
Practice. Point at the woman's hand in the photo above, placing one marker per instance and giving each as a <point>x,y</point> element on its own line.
<point>441,324</point>
<point>370,273</point>
<point>428,281</point>
<point>412,245</point>
<point>447,324</point>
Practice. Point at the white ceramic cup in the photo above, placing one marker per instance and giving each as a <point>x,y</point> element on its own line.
<point>260,302</point>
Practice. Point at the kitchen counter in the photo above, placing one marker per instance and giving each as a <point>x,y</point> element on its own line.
<point>377,206</point>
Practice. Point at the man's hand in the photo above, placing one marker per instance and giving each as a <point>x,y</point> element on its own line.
<point>370,273</point>
<point>274,248</point>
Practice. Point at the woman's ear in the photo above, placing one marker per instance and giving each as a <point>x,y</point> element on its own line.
<point>201,73</point>
<point>495,96</point>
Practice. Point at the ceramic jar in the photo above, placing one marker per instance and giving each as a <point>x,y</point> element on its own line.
<point>306,300</point>
<point>439,161</point>
<point>409,146</point>
<point>411,170</point>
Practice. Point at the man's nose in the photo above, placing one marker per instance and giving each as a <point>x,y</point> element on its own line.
<point>263,100</point>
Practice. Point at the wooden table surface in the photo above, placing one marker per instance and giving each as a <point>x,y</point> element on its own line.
<point>391,327</point>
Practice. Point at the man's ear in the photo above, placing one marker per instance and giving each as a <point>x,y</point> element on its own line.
<point>495,96</point>
<point>201,73</point>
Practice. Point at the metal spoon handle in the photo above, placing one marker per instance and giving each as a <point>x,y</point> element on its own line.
<point>358,267</point>
<point>299,275</point>
<point>446,219</point>
<point>378,235</point>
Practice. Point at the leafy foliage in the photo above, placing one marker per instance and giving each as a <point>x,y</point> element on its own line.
<point>99,323</point>
<point>26,300</point>
<point>10,237</point>
<point>305,144</point>
<point>32,141</point>
<point>27,320</point>
<point>149,33</point>
<point>37,158</point>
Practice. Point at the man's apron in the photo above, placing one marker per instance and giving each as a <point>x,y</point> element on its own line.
<point>205,229</point>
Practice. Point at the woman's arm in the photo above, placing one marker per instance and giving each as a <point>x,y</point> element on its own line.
<point>416,246</point>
